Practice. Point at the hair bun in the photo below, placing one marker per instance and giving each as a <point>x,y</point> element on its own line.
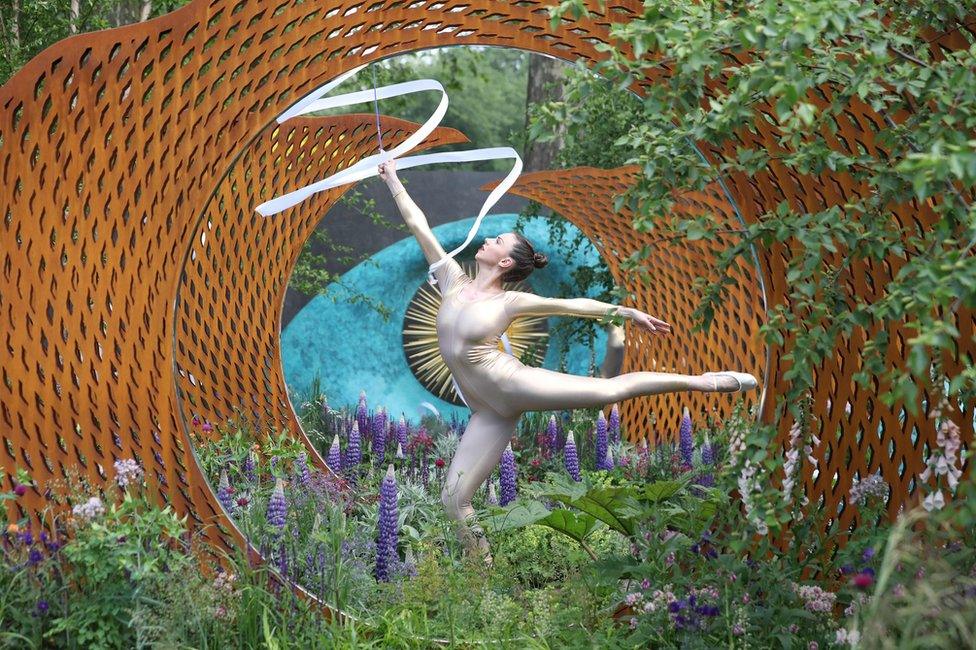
<point>540,260</point>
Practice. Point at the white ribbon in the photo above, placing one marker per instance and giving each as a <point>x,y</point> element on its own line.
<point>368,167</point>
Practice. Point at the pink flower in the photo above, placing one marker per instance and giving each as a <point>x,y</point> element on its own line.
<point>862,580</point>
<point>207,427</point>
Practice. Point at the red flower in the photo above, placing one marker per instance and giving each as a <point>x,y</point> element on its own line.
<point>862,580</point>
<point>535,462</point>
<point>439,462</point>
<point>196,421</point>
<point>242,501</point>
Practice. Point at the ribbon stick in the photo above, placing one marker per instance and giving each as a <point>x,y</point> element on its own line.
<point>368,166</point>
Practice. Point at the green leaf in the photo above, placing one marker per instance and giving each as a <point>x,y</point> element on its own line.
<point>516,515</point>
<point>606,504</point>
<point>660,490</point>
<point>575,525</point>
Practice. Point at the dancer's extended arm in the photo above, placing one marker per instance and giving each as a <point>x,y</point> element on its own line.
<point>519,303</point>
<point>416,221</point>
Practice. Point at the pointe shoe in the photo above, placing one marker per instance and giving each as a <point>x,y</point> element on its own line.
<point>745,380</point>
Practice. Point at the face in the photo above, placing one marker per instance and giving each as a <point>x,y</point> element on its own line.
<point>496,250</point>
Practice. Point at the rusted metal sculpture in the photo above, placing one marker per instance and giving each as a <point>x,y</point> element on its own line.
<point>139,287</point>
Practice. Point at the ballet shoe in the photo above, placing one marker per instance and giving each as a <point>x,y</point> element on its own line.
<point>743,379</point>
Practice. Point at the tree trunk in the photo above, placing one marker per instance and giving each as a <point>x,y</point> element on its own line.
<point>545,84</point>
<point>146,10</point>
<point>15,27</point>
<point>74,17</point>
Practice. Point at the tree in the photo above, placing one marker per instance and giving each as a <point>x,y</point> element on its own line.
<point>544,84</point>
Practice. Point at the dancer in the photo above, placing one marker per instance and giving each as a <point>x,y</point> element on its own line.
<point>496,386</point>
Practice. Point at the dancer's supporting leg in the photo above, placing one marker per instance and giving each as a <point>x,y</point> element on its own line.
<point>478,453</point>
<point>613,360</point>
<point>538,389</point>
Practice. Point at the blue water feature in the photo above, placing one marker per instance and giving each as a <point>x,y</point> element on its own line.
<point>350,347</point>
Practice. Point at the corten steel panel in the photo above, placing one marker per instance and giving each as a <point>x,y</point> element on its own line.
<point>584,196</point>
<point>112,142</point>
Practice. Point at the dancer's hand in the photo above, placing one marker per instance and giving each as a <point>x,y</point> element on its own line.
<point>648,322</point>
<point>387,171</point>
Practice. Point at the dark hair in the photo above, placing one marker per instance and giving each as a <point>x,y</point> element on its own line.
<point>525,258</point>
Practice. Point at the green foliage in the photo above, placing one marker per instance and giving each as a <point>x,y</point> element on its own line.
<point>29,26</point>
<point>808,64</point>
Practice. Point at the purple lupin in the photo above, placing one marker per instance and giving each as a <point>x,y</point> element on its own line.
<point>302,473</point>
<point>401,431</point>
<point>571,458</point>
<point>601,441</point>
<point>386,534</point>
<point>686,441</point>
<point>334,461</point>
<point>614,424</point>
<point>353,453</point>
<point>225,493</point>
<point>552,432</point>
<point>507,476</point>
<point>278,507</point>
<point>608,463</point>
<point>379,436</point>
<point>250,467</point>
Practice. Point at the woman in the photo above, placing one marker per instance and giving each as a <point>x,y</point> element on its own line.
<point>496,386</point>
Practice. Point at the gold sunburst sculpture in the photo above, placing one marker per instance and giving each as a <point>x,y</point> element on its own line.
<point>528,337</point>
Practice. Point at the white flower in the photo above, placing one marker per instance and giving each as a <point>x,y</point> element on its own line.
<point>934,501</point>
<point>847,637</point>
<point>127,472</point>
<point>89,510</point>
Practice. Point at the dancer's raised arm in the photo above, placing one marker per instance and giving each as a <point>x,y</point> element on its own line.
<point>519,303</point>
<point>416,220</point>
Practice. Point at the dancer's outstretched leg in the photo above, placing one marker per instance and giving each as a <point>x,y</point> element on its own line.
<point>478,453</point>
<point>539,389</point>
